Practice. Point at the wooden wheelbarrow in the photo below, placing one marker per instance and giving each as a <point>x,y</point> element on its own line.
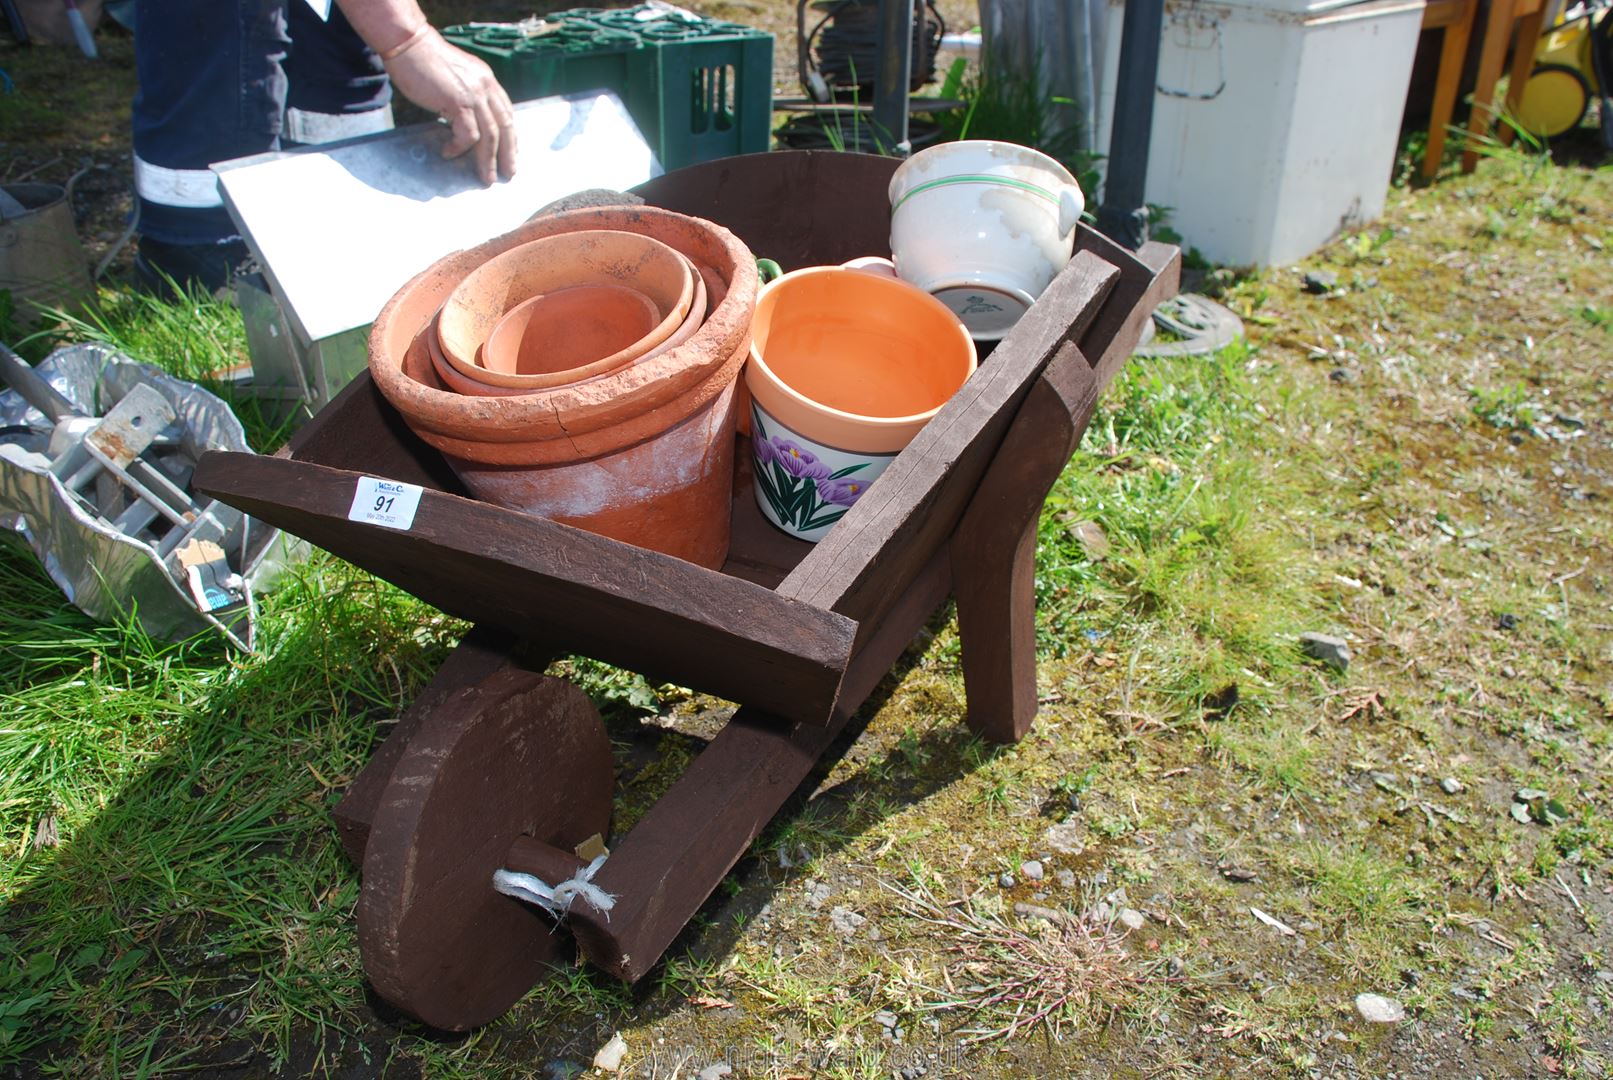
<point>498,769</point>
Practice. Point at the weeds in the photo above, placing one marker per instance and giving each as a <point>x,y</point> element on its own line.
<point>1004,980</point>
<point>1509,407</point>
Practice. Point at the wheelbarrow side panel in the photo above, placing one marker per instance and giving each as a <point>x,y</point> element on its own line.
<point>670,862</point>
<point>799,208</point>
<point>994,563</point>
<point>539,579</point>
<point>361,432</point>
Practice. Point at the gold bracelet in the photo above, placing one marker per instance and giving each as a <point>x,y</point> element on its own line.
<point>406,44</point>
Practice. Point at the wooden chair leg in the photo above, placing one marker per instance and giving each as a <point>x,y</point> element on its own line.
<point>993,550</point>
<point>1452,55</point>
<point>1496,35</point>
<point>1523,64</point>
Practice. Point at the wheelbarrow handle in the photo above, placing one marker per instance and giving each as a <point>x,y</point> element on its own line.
<point>35,390</point>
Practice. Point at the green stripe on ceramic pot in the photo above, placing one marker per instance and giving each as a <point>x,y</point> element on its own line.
<point>979,178</point>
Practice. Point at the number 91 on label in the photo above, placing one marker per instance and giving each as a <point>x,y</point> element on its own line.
<point>385,502</point>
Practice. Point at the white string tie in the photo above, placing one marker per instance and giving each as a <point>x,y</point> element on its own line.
<point>557,899</point>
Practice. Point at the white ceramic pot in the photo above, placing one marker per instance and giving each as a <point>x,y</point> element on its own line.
<point>984,227</point>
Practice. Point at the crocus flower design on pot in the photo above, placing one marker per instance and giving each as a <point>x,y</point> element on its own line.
<point>805,487</point>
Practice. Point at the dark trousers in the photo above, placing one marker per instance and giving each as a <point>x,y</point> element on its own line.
<point>221,79</point>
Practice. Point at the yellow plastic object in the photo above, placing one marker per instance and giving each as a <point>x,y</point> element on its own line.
<point>1554,100</point>
<point>1563,82</point>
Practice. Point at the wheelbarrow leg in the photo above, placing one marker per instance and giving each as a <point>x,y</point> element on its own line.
<point>993,549</point>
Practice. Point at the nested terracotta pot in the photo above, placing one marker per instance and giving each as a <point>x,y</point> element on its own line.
<point>566,431</point>
<point>554,266</point>
<point>491,384</point>
<point>561,336</point>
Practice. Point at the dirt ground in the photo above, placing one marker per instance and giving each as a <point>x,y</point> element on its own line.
<point>1239,844</point>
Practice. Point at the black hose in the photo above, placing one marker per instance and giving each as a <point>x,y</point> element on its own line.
<point>842,48</point>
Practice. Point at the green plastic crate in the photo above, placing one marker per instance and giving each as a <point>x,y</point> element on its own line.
<point>697,90</point>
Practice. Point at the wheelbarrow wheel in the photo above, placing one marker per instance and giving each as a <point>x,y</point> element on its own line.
<point>518,754</point>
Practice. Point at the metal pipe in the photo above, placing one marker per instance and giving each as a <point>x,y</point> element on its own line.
<point>18,374</point>
<point>1123,216</point>
<point>895,72</point>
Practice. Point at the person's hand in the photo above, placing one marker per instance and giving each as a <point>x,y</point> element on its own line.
<point>461,89</point>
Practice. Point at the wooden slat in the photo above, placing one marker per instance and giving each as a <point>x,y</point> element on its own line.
<point>1148,277</point>
<point>537,578</point>
<point>896,527</point>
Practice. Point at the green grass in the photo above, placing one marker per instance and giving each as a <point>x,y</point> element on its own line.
<point>189,790</point>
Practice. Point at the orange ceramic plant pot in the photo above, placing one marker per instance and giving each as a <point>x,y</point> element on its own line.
<point>558,336</point>
<point>845,368</point>
<point>568,427</point>
<point>594,257</point>
<point>492,384</point>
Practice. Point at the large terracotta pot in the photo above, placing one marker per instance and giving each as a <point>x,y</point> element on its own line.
<point>569,427</point>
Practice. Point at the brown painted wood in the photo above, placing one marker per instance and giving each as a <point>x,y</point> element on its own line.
<point>894,529</point>
<point>516,755</point>
<point>669,863</point>
<point>994,547</point>
<point>484,653</point>
<point>529,576</point>
<point>993,551</point>
<point>360,432</point>
<point>660,615</point>
<point>667,866</point>
<point>797,207</point>
<point>1148,277</point>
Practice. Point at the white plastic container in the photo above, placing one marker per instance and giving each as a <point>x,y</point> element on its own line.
<point>1275,121</point>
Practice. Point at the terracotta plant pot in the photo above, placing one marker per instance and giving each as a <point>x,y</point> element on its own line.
<point>558,337</point>
<point>569,427</point>
<point>494,385</point>
<point>595,257</point>
<point>846,367</point>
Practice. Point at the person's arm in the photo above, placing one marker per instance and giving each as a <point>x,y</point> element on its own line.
<point>434,75</point>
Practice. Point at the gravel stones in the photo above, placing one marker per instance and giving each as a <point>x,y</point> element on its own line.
<point>1377,1009</point>
<point>1332,651</point>
<point>1067,838</point>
